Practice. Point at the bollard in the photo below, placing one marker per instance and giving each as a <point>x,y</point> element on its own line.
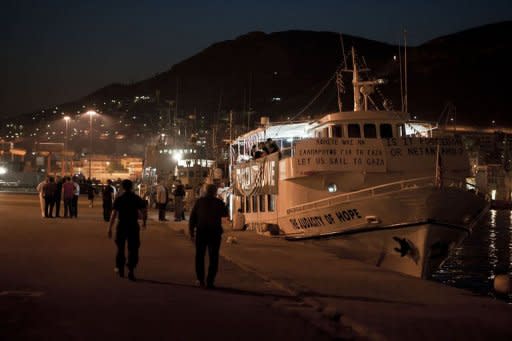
<point>502,284</point>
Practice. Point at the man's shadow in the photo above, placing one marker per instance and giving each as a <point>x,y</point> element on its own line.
<point>224,290</point>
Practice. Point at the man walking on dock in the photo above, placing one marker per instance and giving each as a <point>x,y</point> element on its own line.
<point>128,206</point>
<point>205,225</point>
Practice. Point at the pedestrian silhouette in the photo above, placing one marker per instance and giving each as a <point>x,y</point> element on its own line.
<point>128,206</point>
<point>205,226</point>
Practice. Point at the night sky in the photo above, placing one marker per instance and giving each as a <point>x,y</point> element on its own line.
<point>59,51</point>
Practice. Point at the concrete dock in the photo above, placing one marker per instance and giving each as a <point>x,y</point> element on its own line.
<point>57,282</point>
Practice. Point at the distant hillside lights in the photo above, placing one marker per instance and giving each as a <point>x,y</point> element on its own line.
<point>141,98</point>
<point>15,130</point>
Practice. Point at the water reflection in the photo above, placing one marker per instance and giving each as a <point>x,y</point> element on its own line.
<point>487,252</point>
<point>510,240</point>
<point>492,254</point>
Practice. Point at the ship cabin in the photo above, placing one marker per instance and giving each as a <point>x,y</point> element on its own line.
<point>358,125</point>
<point>257,180</point>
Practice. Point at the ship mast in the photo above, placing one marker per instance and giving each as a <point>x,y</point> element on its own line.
<point>355,82</point>
<point>365,88</point>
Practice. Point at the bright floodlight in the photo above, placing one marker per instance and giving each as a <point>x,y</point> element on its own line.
<point>66,118</point>
<point>91,113</point>
<point>3,170</point>
<point>331,188</point>
<point>177,157</point>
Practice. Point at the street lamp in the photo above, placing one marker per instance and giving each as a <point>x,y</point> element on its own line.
<point>65,158</point>
<point>91,113</point>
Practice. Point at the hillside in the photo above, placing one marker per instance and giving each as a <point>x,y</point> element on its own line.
<point>469,69</point>
<point>278,74</point>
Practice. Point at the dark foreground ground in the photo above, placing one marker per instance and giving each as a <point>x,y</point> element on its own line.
<point>57,282</point>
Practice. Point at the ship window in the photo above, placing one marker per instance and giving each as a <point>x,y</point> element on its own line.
<point>271,200</point>
<point>386,131</point>
<point>262,203</point>
<point>248,204</point>
<point>353,130</point>
<point>325,132</point>
<point>242,205</point>
<point>254,204</point>
<point>401,130</point>
<point>337,131</point>
<point>370,131</point>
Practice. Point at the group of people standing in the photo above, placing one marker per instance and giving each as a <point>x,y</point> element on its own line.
<point>163,198</point>
<point>52,192</point>
<point>265,148</point>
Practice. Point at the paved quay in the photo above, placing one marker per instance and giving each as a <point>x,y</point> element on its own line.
<point>362,301</point>
<point>56,282</point>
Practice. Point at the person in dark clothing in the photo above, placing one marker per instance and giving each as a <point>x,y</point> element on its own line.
<point>179,196</point>
<point>205,225</point>
<point>108,198</point>
<point>127,206</point>
<point>49,190</point>
<point>162,198</point>
<point>68,190</point>
<point>74,202</point>
<point>58,193</point>
<point>90,192</point>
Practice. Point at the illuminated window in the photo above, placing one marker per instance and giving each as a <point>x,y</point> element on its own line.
<point>401,130</point>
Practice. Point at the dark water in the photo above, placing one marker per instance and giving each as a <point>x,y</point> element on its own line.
<point>484,254</point>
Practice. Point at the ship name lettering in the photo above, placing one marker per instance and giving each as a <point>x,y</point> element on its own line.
<point>307,222</point>
<point>347,215</point>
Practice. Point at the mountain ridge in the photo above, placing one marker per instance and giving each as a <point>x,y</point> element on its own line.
<point>277,74</point>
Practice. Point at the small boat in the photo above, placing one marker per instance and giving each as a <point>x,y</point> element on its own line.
<point>373,184</point>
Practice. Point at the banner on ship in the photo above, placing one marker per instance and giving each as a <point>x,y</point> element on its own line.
<point>335,154</point>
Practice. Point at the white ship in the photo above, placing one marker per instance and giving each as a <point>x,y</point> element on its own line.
<point>365,181</point>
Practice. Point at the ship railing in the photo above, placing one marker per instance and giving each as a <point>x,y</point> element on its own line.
<point>397,186</point>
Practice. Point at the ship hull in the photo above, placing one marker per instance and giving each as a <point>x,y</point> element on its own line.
<point>412,231</point>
